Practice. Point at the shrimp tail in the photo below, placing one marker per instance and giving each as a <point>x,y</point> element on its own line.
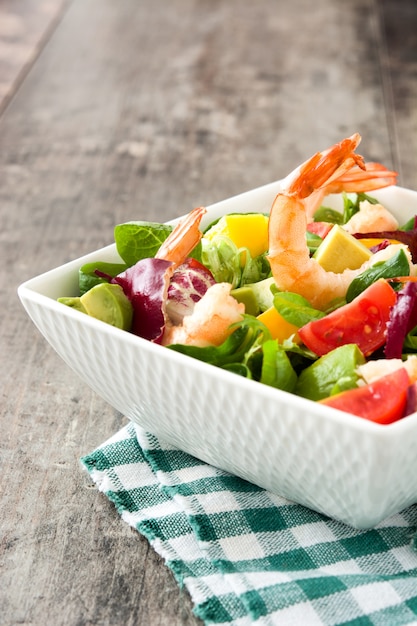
<point>324,167</point>
<point>375,176</point>
<point>291,265</point>
<point>183,239</point>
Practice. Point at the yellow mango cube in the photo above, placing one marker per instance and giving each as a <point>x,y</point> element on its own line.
<point>370,242</point>
<point>246,230</point>
<point>249,231</point>
<point>279,328</point>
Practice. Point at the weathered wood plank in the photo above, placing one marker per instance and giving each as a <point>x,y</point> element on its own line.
<point>141,111</point>
<point>24,29</point>
<point>399,78</point>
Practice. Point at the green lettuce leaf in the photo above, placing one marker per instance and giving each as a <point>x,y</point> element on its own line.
<point>295,309</point>
<point>139,240</point>
<point>230,351</point>
<point>397,265</point>
<point>88,277</point>
<point>277,370</point>
<point>350,207</point>
<point>224,260</point>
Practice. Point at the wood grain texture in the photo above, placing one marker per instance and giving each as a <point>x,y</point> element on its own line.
<point>24,29</point>
<point>142,111</point>
<point>399,78</point>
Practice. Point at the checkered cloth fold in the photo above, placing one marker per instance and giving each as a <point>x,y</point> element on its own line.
<point>248,556</point>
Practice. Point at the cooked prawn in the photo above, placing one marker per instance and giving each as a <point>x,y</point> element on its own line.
<point>372,370</point>
<point>373,176</point>
<point>209,323</point>
<point>371,218</point>
<point>184,237</point>
<point>289,257</point>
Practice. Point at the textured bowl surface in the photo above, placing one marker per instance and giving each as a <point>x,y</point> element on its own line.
<point>345,467</point>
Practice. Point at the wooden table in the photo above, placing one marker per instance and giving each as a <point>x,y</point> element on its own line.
<point>141,110</point>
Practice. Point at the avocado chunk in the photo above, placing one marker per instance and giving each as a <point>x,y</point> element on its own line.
<point>334,372</point>
<point>108,303</point>
<point>105,302</point>
<point>247,296</point>
<point>340,250</point>
<point>263,294</point>
<point>74,303</point>
<point>257,297</point>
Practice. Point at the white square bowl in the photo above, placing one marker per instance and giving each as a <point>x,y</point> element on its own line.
<point>348,468</point>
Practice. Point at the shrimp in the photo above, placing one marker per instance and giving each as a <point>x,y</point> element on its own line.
<point>185,236</point>
<point>372,370</point>
<point>210,322</point>
<point>291,265</point>
<point>371,218</point>
<point>373,176</point>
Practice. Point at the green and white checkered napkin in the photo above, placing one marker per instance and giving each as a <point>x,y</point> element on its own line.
<point>247,556</point>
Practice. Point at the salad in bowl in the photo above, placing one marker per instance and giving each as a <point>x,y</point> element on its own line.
<point>317,302</point>
<point>271,335</point>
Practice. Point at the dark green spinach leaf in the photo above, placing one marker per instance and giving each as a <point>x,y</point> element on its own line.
<point>139,240</point>
<point>397,265</point>
<point>88,276</point>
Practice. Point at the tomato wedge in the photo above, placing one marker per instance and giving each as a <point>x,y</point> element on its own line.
<point>319,228</point>
<point>375,402</point>
<point>362,321</point>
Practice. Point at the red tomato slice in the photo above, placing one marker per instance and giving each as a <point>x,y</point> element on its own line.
<point>363,321</point>
<point>320,228</point>
<point>377,401</point>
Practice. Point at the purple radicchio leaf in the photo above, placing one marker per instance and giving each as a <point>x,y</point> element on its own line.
<point>189,283</point>
<point>146,284</point>
<point>409,237</point>
<point>411,403</point>
<point>403,317</point>
<point>380,246</point>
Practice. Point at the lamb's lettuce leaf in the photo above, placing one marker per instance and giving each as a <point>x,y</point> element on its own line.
<point>232,350</point>
<point>238,368</point>
<point>139,240</point>
<point>410,343</point>
<point>397,265</point>
<point>295,309</point>
<point>92,274</point>
<point>350,207</point>
<point>326,214</point>
<point>277,370</point>
<point>313,241</point>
